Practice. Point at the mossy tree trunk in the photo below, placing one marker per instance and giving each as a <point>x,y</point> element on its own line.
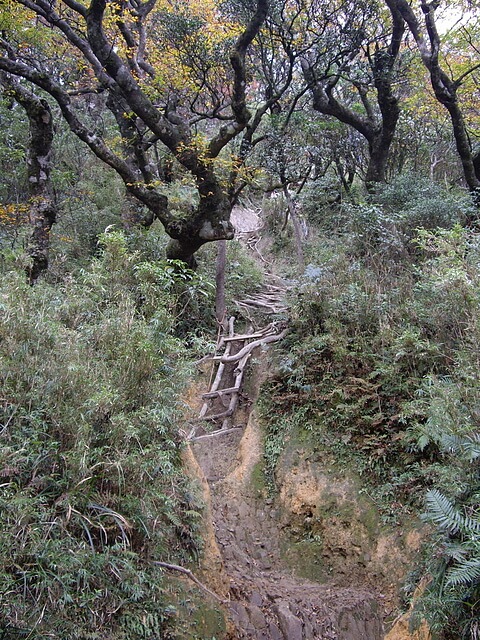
<point>445,88</point>
<point>42,209</point>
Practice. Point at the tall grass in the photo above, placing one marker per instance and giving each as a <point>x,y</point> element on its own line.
<point>91,485</point>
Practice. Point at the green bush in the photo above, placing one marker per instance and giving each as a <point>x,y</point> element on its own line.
<point>92,488</point>
<point>385,226</point>
<point>364,342</point>
<point>382,367</point>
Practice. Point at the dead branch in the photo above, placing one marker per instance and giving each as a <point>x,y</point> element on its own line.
<point>245,336</point>
<point>262,301</point>
<point>218,416</point>
<point>218,432</point>
<point>270,306</point>
<point>219,393</point>
<point>250,347</point>
<point>188,572</point>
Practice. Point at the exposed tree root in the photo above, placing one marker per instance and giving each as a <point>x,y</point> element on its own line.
<point>219,432</point>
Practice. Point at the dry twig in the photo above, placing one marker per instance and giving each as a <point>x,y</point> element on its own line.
<point>189,573</point>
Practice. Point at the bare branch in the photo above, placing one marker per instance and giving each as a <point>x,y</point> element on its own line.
<point>191,575</point>
<point>239,102</point>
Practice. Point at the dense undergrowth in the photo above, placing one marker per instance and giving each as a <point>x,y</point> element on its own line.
<point>92,490</point>
<point>382,366</point>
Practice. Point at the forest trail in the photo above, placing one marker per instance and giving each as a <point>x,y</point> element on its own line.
<point>266,601</point>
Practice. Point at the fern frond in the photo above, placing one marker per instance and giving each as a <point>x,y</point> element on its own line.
<point>173,518</point>
<point>471,526</point>
<point>464,573</point>
<point>457,551</point>
<point>467,445</point>
<point>442,512</point>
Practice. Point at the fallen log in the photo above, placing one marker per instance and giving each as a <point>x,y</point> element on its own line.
<point>250,347</point>
<point>218,416</point>
<point>219,393</point>
<point>218,432</point>
<point>243,337</point>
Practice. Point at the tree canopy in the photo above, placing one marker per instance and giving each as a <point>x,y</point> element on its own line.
<point>168,86</point>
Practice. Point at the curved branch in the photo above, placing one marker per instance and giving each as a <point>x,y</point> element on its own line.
<point>239,101</point>
<point>325,102</point>
<point>44,9</point>
<point>250,347</point>
<point>156,202</point>
<point>126,83</point>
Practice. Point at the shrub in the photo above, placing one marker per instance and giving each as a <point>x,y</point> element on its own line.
<point>366,341</point>
<point>92,488</point>
<point>382,367</point>
<point>385,227</point>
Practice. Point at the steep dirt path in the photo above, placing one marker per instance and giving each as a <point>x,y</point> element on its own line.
<point>266,600</point>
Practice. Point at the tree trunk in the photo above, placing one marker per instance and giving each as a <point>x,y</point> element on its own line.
<point>297,230</point>
<point>444,87</point>
<point>476,163</point>
<point>379,150</point>
<point>220,306</point>
<point>208,222</point>
<point>43,211</point>
<point>377,131</point>
<point>379,134</point>
<point>382,138</point>
<point>42,216</point>
<point>42,208</point>
<point>464,148</point>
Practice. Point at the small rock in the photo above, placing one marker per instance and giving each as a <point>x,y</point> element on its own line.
<point>257,618</point>
<point>256,599</point>
<point>239,535</point>
<point>308,629</point>
<point>240,613</point>
<point>275,633</point>
<point>290,625</point>
<point>243,510</point>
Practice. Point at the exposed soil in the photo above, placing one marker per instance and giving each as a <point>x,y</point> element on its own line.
<point>253,558</point>
<point>266,600</point>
